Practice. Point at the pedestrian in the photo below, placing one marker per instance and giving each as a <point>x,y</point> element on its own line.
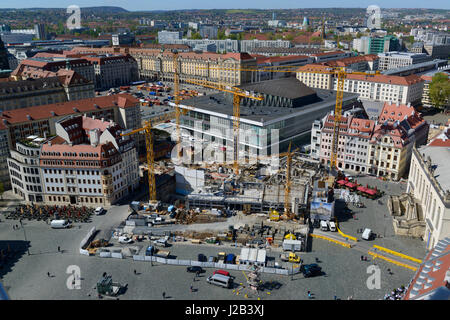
<point>14,228</point>
<point>59,249</point>
<point>164,295</point>
<point>362,258</point>
<point>134,271</point>
<point>192,288</point>
<point>309,294</point>
<point>48,274</point>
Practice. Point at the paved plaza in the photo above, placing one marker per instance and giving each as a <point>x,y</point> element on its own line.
<point>345,275</point>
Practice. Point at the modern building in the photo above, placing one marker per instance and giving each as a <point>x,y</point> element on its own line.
<point>250,45</point>
<point>61,86</point>
<point>329,56</point>
<point>428,182</point>
<point>288,106</point>
<point>222,46</point>
<point>169,36</point>
<point>273,51</point>
<point>375,45</point>
<point>208,31</point>
<point>40,32</point>
<point>120,39</point>
<point>419,68</point>
<point>441,51</point>
<point>395,59</point>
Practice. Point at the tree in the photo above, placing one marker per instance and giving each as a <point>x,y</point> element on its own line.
<point>195,35</point>
<point>440,90</point>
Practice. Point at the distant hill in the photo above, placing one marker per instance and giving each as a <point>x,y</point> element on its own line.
<point>85,10</point>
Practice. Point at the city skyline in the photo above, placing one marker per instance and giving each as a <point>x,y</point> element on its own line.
<point>143,5</point>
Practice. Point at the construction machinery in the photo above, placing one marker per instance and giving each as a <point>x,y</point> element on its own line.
<point>238,94</point>
<point>290,257</point>
<point>274,215</point>
<point>147,129</point>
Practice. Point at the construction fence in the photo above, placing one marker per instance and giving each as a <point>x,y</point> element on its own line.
<point>236,267</point>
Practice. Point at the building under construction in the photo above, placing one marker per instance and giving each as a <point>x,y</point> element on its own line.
<point>256,189</point>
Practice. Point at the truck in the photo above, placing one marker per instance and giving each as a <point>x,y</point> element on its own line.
<point>60,224</point>
<point>221,257</point>
<point>162,254</point>
<point>292,245</point>
<point>290,257</point>
<point>162,242</point>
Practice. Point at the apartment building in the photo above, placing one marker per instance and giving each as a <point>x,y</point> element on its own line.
<point>53,63</point>
<point>429,183</point>
<point>113,70</point>
<point>41,120</point>
<point>395,59</point>
<point>329,56</point>
<point>380,147</point>
<point>250,45</point>
<point>44,88</point>
<point>374,87</point>
<point>368,62</point>
<point>275,51</point>
<point>24,169</point>
<point>274,65</point>
<point>86,163</point>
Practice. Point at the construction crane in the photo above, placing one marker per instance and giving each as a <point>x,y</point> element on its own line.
<point>287,187</point>
<point>176,97</point>
<point>338,72</point>
<point>147,129</point>
<point>238,94</point>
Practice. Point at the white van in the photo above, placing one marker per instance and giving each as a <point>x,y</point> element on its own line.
<point>367,234</point>
<point>332,226</point>
<point>220,280</point>
<point>98,211</point>
<point>60,224</point>
<point>323,225</point>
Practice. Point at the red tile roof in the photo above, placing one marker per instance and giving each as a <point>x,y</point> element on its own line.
<point>67,108</point>
<point>442,139</point>
<point>380,78</point>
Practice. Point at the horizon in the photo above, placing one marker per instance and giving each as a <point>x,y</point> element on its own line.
<point>175,5</point>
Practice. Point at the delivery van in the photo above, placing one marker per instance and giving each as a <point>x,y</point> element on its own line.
<point>367,234</point>
<point>220,280</point>
<point>332,226</point>
<point>60,224</point>
<point>323,225</point>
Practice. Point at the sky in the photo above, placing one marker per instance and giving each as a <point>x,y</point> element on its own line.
<point>139,5</point>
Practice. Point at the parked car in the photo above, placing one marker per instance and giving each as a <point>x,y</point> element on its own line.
<point>195,269</point>
<point>125,240</point>
<point>99,210</point>
<point>311,270</point>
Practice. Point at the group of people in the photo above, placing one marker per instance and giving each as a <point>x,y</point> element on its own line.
<point>396,294</point>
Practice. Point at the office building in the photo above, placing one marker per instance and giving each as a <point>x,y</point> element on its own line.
<point>122,39</point>
<point>375,45</point>
<point>169,36</point>
<point>395,59</point>
<point>208,31</point>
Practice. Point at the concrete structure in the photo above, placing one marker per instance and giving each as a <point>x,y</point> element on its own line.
<point>437,51</point>
<point>395,59</point>
<point>250,45</point>
<point>283,51</point>
<point>169,36</point>
<point>407,216</point>
<point>222,46</point>
<point>272,64</point>
<point>419,68</point>
<point>428,182</point>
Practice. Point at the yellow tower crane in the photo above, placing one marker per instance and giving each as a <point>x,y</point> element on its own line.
<point>147,129</point>
<point>238,94</point>
<point>287,187</point>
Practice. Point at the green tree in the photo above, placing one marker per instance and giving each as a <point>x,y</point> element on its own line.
<point>195,35</point>
<point>221,35</point>
<point>440,90</point>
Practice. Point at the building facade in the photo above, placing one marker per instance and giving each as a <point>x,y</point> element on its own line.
<point>394,60</point>
<point>428,182</point>
<point>169,36</point>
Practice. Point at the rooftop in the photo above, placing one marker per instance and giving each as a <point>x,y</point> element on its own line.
<point>439,159</point>
<point>290,88</point>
